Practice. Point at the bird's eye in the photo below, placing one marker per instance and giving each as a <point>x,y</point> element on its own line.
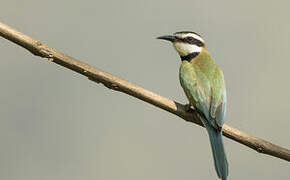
<point>190,39</point>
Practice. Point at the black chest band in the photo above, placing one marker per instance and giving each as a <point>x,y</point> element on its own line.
<point>189,57</point>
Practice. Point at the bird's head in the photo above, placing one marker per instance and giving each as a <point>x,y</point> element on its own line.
<point>186,43</point>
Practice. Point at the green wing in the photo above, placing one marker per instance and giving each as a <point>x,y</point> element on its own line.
<point>218,101</point>
<point>196,87</point>
<point>205,92</point>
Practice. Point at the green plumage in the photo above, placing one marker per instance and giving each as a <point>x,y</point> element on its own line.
<point>204,86</point>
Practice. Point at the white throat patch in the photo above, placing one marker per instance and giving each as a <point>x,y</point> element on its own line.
<point>185,49</point>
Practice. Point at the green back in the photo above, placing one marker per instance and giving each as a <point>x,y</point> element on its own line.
<point>204,86</point>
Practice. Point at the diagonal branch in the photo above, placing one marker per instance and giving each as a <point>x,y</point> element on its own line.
<point>115,83</point>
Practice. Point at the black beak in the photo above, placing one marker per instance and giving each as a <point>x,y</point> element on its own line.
<point>168,38</point>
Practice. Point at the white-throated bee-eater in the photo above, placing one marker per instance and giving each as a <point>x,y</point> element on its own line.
<point>203,83</point>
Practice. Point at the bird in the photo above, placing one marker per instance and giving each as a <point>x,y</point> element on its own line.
<point>204,86</point>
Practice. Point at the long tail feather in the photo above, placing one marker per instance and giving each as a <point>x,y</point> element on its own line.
<point>218,151</point>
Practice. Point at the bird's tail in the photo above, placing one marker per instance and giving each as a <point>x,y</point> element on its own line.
<point>218,151</point>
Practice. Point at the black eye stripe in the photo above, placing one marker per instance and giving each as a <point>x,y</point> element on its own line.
<point>190,40</point>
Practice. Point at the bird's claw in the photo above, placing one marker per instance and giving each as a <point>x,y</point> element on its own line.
<point>189,108</point>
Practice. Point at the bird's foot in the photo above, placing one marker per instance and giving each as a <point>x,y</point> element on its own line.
<point>189,108</point>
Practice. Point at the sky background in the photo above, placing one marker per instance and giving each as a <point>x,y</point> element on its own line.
<point>57,125</point>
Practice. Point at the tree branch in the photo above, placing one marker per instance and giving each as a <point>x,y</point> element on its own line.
<point>115,83</point>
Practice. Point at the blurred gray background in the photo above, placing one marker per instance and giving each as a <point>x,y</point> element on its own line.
<point>57,125</point>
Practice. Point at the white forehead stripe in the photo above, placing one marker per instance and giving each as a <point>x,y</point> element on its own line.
<point>195,36</point>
